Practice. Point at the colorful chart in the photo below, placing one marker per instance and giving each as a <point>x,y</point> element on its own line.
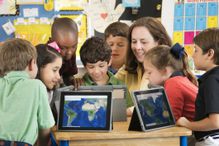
<point>191,17</point>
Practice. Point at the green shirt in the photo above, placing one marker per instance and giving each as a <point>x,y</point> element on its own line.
<point>24,107</point>
<point>112,81</point>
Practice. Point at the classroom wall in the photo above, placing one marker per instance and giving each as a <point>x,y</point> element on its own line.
<point>148,8</point>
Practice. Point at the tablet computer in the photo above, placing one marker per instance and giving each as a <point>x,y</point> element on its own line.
<point>119,94</point>
<point>153,109</point>
<point>85,111</point>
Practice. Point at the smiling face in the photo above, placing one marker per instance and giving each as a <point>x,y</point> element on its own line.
<point>141,42</point>
<point>98,72</point>
<point>49,74</point>
<point>67,41</point>
<point>119,46</point>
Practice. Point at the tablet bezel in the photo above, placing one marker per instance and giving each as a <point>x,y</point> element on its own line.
<point>108,126</point>
<point>165,99</point>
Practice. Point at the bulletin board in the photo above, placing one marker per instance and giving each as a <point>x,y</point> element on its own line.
<point>187,18</point>
<point>35,33</point>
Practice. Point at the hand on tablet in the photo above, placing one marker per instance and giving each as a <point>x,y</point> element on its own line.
<point>76,82</point>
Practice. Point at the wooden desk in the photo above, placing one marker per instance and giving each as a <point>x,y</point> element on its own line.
<point>120,136</point>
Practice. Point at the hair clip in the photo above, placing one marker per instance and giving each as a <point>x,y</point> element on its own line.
<point>55,46</point>
<point>177,50</point>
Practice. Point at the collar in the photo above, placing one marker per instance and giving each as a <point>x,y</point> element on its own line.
<point>20,74</point>
<point>177,73</point>
<point>214,70</point>
<point>88,79</point>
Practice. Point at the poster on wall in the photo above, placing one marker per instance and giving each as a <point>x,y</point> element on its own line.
<point>184,19</point>
<point>25,2</point>
<point>8,7</point>
<point>103,12</point>
<point>70,5</point>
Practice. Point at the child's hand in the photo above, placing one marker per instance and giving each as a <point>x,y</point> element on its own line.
<point>182,121</point>
<point>76,82</point>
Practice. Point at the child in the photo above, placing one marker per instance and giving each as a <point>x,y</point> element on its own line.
<point>49,62</point>
<point>206,57</point>
<point>116,36</point>
<point>65,34</point>
<point>169,67</point>
<point>95,55</point>
<point>24,107</point>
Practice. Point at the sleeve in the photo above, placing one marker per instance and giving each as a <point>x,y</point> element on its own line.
<point>175,98</point>
<point>45,117</point>
<point>211,95</point>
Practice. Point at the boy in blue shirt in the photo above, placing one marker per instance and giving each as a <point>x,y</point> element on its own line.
<point>24,107</point>
<point>206,57</point>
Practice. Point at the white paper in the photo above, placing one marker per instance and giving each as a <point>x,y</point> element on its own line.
<point>8,28</point>
<point>7,7</point>
<point>103,13</point>
<point>33,12</point>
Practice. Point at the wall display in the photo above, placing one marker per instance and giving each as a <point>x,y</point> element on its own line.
<point>184,19</point>
<point>33,30</point>
<point>8,7</point>
<point>191,17</point>
<point>70,5</point>
<point>103,12</point>
<point>24,2</point>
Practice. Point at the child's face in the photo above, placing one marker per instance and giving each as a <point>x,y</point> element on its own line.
<point>98,71</point>
<point>155,76</point>
<point>199,58</point>
<point>67,41</point>
<point>141,42</point>
<point>49,74</point>
<point>119,46</point>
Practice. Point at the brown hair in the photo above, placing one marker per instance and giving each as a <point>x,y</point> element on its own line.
<point>161,57</point>
<point>95,49</point>
<point>117,29</point>
<point>157,31</point>
<point>15,55</point>
<point>209,39</point>
<point>63,24</point>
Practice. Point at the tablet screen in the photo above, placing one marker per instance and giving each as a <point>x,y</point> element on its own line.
<point>85,111</point>
<point>153,108</point>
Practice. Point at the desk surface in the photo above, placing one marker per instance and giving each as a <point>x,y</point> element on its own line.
<point>120,131</point>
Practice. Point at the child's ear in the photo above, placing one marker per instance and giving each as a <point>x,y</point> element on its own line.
<point>31,64</point>
<point>211,54</point>
<point>110,62</point>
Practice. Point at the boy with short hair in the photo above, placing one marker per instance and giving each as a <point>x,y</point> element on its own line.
<point>206,57</point>
<point>64,33</point>
<point>116,36</point>
<point>95,55</point>
<point>24,107</point>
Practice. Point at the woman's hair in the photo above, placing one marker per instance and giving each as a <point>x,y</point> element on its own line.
<point>46,55</point>
<point>157,31</point>
<point>95,49</point>
<point>163,56</point>
<point>15,55</point>
<point>117,29</point>
<point>63,25</point>
<point>209,39</point>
